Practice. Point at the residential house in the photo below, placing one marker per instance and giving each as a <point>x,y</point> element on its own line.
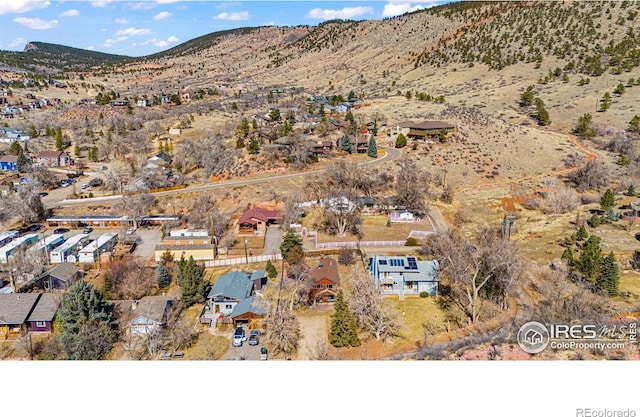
<point>404,275</point>
<point>54,158</point>
<point>142,102</point>
<point>42,316</point>
<point>325,281</point>
<point>319,148</point>
<point>146,315</point>
<point>9,163</point>
<point>256,220</point>
<point>423,130</point>
<point>232,299</point>
<point>402,217</point>
<point>119,103</point>
<point>14,312</point>
<point>61,277</point>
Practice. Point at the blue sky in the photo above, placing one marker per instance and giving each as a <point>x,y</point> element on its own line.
<point>143,27</point>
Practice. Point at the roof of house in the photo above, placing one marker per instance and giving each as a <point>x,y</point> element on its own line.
<point>432,124</point>
<point>65,271</point>
<point>49,154</point>
<point>237,285</point>
<point>15,308</point>
<point>327,269</point>
<point>411,268</point>
<point>9,158</point>
<point>46,307</point>
<point>247,306</point>
<point>185,247</point>
<point>151,307</point>
<point>256,213</point>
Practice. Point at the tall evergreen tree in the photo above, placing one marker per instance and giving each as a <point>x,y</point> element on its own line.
<point>346,143</point>
<point>401,141</point>
<point>15,148</point>
<point>88,327</point>
<point>163,276</point>
<point>608,200</point>
<point>344,331</point>
<point>192,283</point>
<point>22,163</point>
<point>590,260</point>
<point>291,246</point>
<point>253,147</point>
<point>581,234</point>
<point>271,270</point>
<point>59,140</point>
<point>609,277</point>
<point>372,148</point>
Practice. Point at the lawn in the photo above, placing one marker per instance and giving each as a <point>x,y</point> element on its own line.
<point>414,313</point>
<point>630,282</point>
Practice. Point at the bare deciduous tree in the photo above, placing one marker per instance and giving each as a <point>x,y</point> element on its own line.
<point>26,203</point>
<point>412,185</point>
<point>130,280</point>
<point>561,199</point>
<point>134,205</point>
<point>368,307</point>
<point>592,175</point>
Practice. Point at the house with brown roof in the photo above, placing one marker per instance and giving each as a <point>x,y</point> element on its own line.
<point>256,220</point>
<point>146,315</point>
<point>423,130</point>
<point>325,282</point>
<point>54,158</point>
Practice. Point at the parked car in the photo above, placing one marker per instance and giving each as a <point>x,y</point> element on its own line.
<point>131,231</point>
<point>84,186</point>
<point>104,168</point>
<point>60,231</point>
<point>87,230</point>
<point>43,194</point>
<point>254,337</point>
<point>239,337</point>
<point>33,228</point>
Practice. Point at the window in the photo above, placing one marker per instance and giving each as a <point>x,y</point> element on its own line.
<point>330,286</point>
<point>41,324</point>
<point>319,287</point>
<point>228,306</point>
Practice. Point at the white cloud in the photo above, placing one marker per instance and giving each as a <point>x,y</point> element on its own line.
<point>70,13</point>
<point>269,23</point>
<point>22,6</point>
<point>162,15</point>
<point>392,9</point>
<point>133,32</point>
<point>233,16</point>
<point>122,21</point>
<point>344,13</point>
<point>167,1</point>
<point>161,42</point>
<point>90,48</point>
<point>35,23</point>
<point>100,3</point>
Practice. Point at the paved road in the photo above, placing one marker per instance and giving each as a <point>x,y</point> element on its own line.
<point>390,155</point>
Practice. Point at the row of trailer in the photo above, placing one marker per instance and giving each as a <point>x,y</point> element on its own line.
<point>77,248</point>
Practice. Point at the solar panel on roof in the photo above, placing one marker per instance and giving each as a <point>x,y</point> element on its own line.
<point>382,262</point>
<point>412,263</point>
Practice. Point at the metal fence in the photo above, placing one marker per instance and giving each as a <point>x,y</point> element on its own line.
<point>243,260</point>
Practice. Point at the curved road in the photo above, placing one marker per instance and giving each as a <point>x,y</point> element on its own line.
<point>391,154</point>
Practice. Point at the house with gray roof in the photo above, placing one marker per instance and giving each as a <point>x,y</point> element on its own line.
<point>14,312</point>
<point>233,298</point>
<point>61,277</point>
<point>42,316</point>
<point>404,275</point>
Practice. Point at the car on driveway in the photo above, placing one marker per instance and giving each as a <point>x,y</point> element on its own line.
<point>254,337</point>
<point>87,230</point>
<point>239,337</point>
<point>60,231</point>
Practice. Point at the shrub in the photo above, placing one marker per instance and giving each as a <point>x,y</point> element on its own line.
<point>412,241</point>
<point>424,294</point>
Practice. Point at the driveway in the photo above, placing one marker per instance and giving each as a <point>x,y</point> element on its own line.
<point>244,352</point>
<point>272,240</point>
<point>147,240</point>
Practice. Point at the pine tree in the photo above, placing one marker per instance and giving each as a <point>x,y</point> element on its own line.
<point>631,190</point>
<point>609,277</point>
<point>581,234</point>
<point>192,283</point>
<point>585,126</point>
<point>372,148</point>
<point>343,325</point>
<point>291,246</point>
<point>76,151</point>
<point>401,141</point>
<point>15,148</point>
<point>253,147</point>
<point>608,200</point>
<point>590,260</point>
<point>594,221</point>
<point>634,124</point>
<point>22,163</point>
<point>346,143</point>
<point>526,99</point>
<point>59,140</point>
<point>163,276</point>
<point>567,256</point>
<point>87,325</point>
<point>271,270</point>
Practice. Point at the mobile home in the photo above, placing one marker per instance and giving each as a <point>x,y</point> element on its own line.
<point>72,245</point>
<point>92,251</point>
<point>14,245</point>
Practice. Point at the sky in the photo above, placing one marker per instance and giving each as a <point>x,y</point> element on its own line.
<point>142,27</point>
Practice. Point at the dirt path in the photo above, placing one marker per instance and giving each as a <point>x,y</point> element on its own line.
<point>315,329</point>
